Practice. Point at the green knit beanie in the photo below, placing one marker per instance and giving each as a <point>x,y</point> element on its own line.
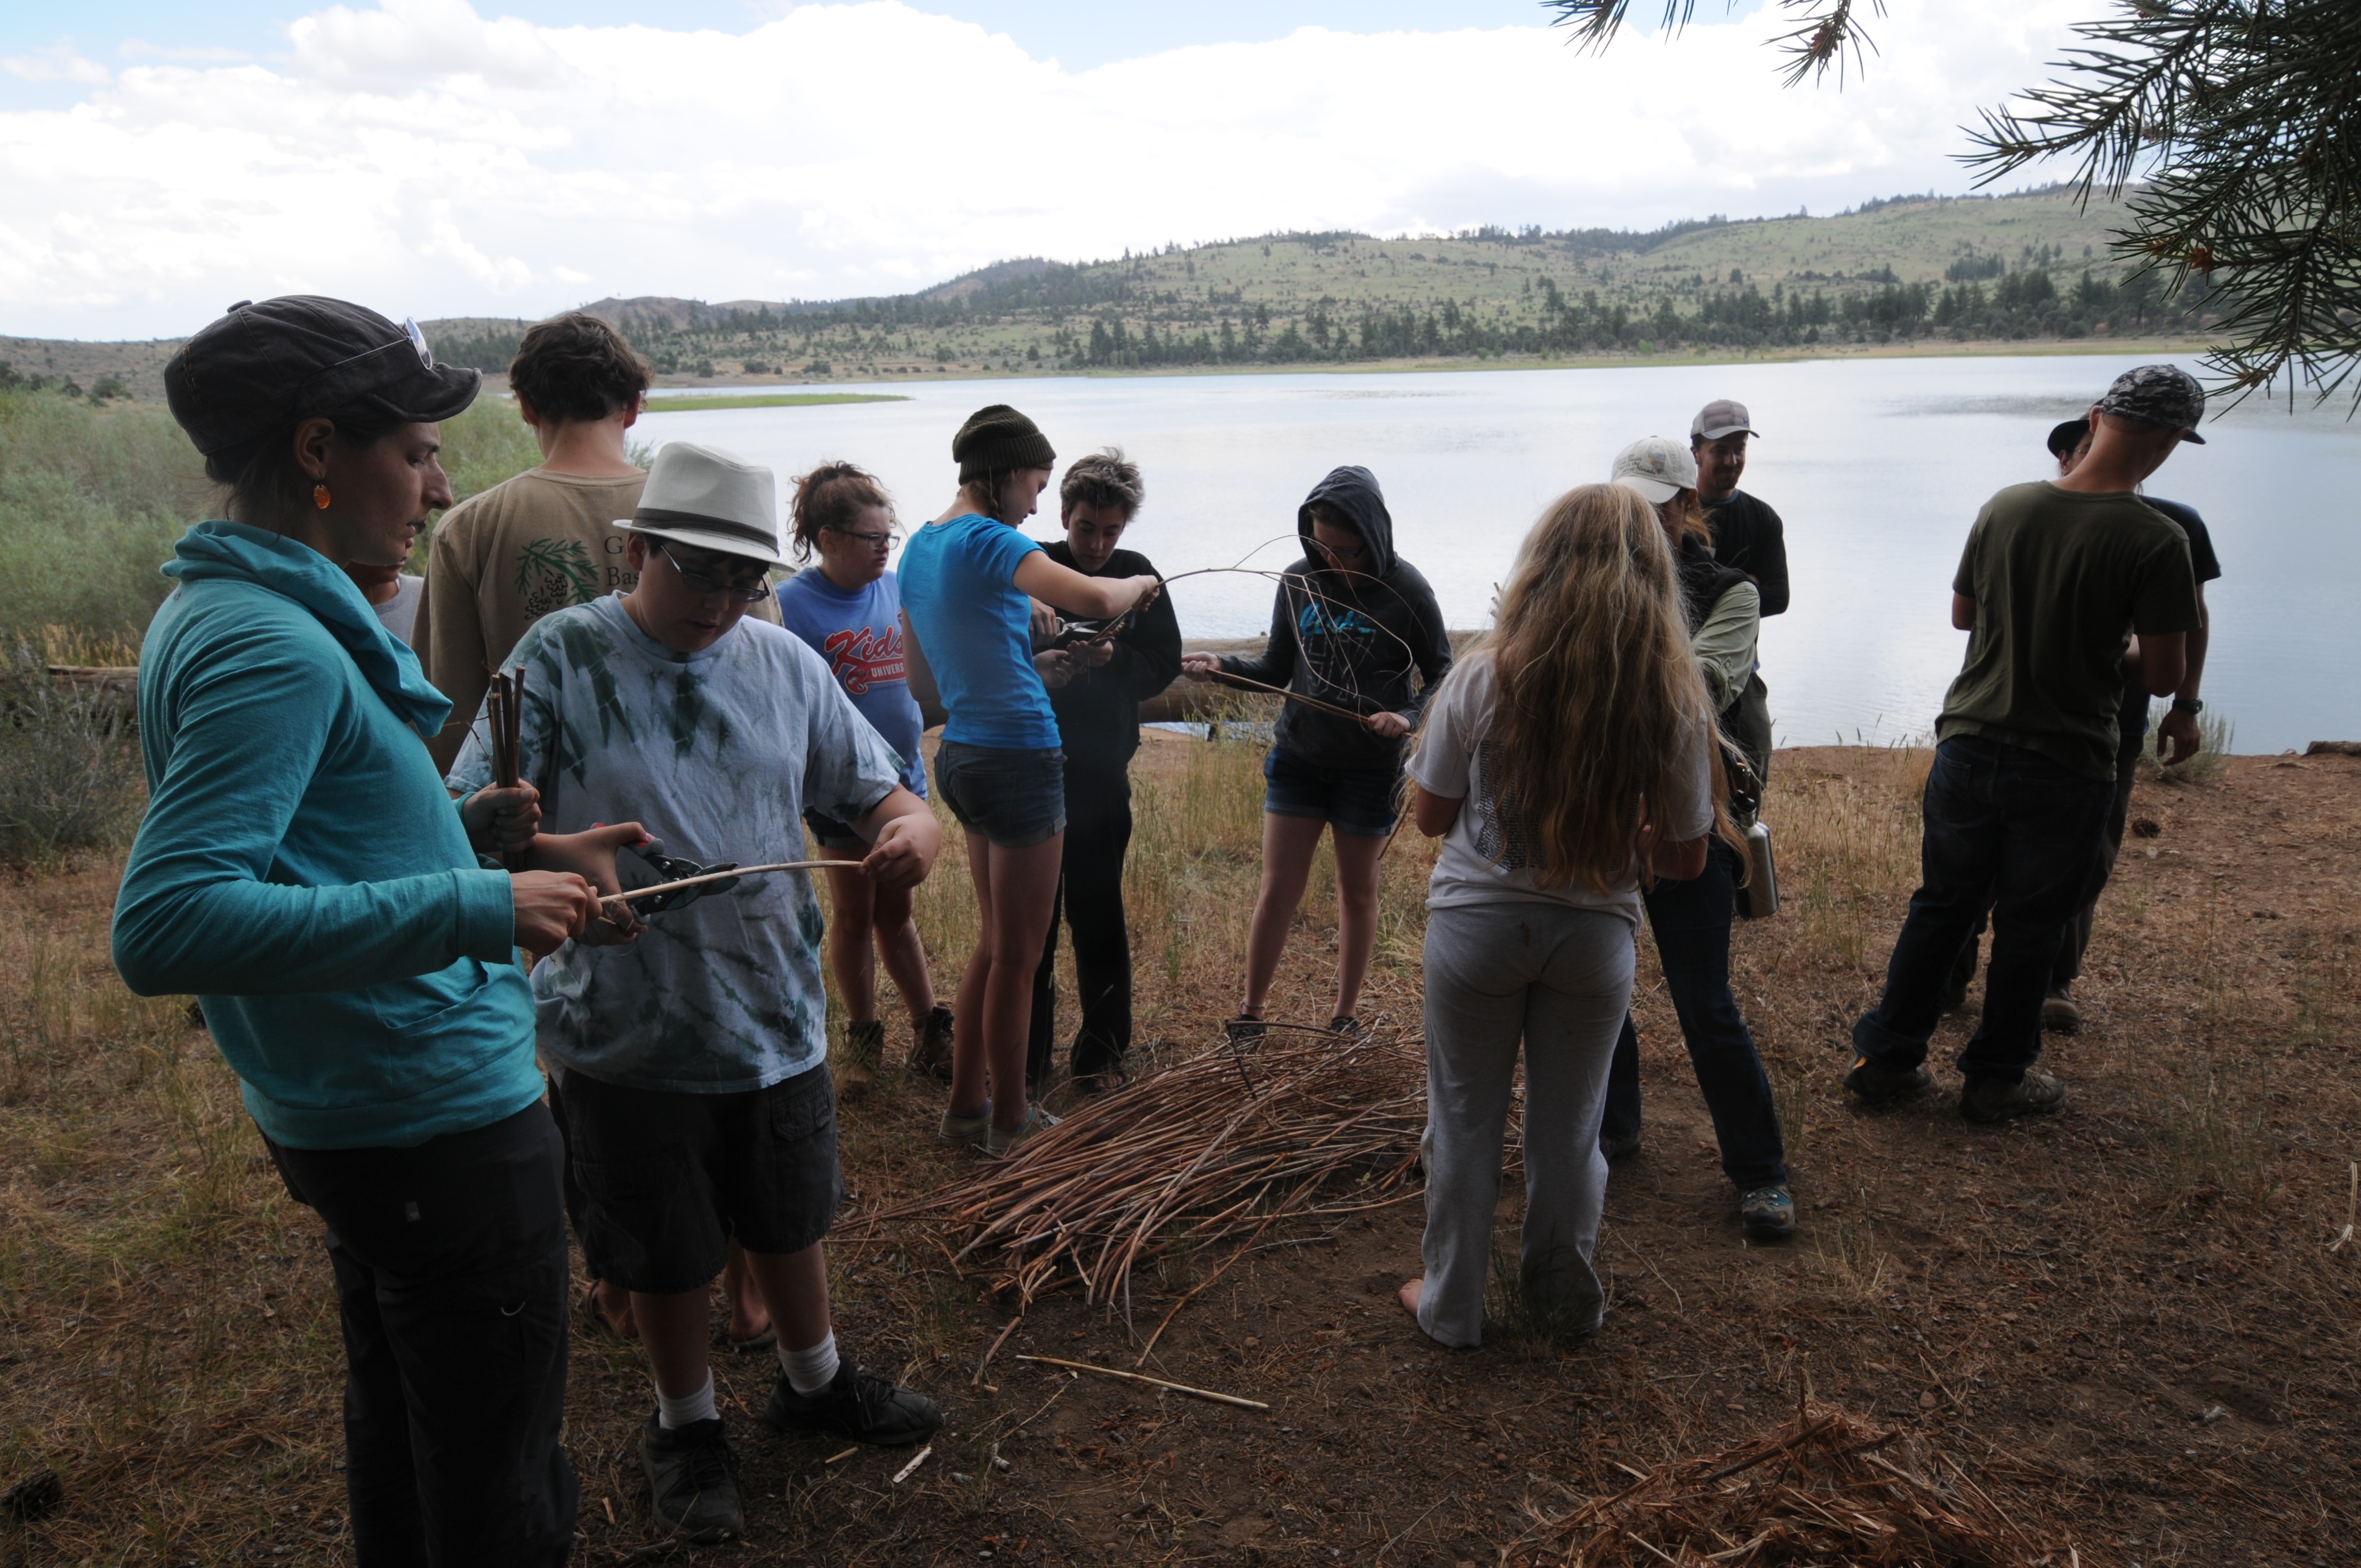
<point>999,440</point>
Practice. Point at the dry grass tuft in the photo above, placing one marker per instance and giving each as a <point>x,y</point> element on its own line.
<point>1825,1487</point>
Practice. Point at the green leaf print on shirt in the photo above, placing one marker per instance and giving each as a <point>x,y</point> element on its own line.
<point>553,572</point>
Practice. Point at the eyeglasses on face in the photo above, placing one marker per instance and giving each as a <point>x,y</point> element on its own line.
<point>743,589</point>
<point>884,540</point>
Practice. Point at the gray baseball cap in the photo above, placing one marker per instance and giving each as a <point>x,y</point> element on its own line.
<point>1720,418</point>
<point>2160,394</point>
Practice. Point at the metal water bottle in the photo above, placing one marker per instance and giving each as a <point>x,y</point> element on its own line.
<point>1759,899</point>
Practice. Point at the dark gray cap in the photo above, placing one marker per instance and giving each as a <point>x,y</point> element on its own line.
<point>264,366</point>
<point>2161,394</point>
<point>1720,418</point>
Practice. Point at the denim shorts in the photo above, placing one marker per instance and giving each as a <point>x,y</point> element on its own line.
<point>830,834</point>
<point>1014,799</point>
<point>1362,801</point>
<point>662,1181</point>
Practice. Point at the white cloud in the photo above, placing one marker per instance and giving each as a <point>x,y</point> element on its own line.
<point>59,62</point>
<point>432,161</point>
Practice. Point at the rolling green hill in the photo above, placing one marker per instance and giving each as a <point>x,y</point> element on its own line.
<point>1911,270</point>
<point>1965,270</point>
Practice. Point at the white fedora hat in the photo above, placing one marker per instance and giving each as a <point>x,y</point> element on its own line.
<point>709,499</point>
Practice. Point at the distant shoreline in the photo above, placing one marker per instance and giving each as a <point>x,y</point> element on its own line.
<point>1989,349</point>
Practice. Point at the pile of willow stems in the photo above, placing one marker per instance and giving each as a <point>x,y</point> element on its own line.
<point>1825,1487</point>
<point>1209,1154</point>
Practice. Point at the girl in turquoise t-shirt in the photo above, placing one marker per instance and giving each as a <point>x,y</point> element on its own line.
<point>969,580</point>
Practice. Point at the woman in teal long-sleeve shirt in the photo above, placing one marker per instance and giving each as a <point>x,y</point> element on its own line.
<point>303,872</point>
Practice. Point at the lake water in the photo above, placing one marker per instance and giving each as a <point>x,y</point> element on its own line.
<point>1878,467</point>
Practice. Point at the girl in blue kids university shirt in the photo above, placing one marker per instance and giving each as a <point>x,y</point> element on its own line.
<point>968,582</point>
<point>849,608</point>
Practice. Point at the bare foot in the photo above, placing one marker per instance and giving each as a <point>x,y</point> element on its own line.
<point>1412,1292</point>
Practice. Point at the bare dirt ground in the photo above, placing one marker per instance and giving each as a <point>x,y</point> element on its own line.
<point>2127,1319</point>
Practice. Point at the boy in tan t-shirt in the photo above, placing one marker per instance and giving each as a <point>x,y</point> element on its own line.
<point>545,539</point>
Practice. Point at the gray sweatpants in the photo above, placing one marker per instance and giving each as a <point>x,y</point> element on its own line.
<point>1558,980</point>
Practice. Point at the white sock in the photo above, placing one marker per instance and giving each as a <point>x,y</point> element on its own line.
<point>810,1371</point>
<point>697,1406</point>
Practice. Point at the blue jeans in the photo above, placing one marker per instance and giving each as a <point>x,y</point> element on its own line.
<point>1691,923</point>
<point>2009,830</point>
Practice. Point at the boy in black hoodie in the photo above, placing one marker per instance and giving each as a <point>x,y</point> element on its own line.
<point>1350,623</point>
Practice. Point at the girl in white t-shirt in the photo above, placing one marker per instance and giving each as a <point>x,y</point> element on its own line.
<point>1565,757</point>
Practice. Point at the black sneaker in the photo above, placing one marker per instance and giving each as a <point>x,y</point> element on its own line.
<point>856,1404</point>
<point>1996,1099</point>
<point>1768,1212</point>
<point>692,1492</point>
<point>1877,1083</point>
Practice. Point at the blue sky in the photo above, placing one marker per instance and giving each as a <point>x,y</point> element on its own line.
<point>1079,35</point>
<point>455,158</point>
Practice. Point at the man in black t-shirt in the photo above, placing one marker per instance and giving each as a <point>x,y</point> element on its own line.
<point>1095,687</point>
<point>1747,535</point>
<point>2070,442</point>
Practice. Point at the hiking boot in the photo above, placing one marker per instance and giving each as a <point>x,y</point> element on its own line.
<point>1344,1023</point>
<point>1768,1212</point>
<point>1955,996</point>
<point>1996,1099</point>
<point>1616,1148</point>
<point>2059,1013</point>
<point>855,1404</point>
<point>692,1494</point>
<point>971,1130</point>
<point>1245,1033</point>
<point>865,1051</point>
<point>1036,1121</point>
<point>930,1051</point>
<point>1877,1083</point>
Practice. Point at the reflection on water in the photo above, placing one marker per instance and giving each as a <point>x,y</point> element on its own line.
<point>1878,467</point>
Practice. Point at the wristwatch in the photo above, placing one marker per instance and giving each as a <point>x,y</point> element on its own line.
<point>2187,704</point>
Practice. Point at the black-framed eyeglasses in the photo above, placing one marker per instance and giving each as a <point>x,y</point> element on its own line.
<point>875,541</point>
<point>1341,552</point>
<point>738,588</point>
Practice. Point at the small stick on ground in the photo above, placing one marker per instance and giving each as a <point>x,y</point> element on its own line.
<point>1158,1382</point>
<point>988,1355</point>
<point>2352,1203</point>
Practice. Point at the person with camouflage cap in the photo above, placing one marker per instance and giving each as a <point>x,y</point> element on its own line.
<point>2068,588</point>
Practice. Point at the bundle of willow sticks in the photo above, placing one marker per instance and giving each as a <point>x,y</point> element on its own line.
<point>503,722</point>
<point>1825,1487</point>
<point>1206,1156</point>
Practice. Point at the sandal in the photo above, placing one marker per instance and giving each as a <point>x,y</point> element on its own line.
<point>596,1323</point>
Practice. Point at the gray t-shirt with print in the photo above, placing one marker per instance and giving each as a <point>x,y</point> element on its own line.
<point>1485,858</point>
<point>715,754</point>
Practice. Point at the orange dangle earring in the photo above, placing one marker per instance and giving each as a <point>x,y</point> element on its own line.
<point>320,497</point>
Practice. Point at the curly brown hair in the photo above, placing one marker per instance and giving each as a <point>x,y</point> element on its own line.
<point>577,367</point>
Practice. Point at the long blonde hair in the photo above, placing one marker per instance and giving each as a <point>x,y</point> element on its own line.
<point>1600,701</point>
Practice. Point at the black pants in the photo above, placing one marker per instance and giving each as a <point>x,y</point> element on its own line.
<point>451,1276</point>
<point>1690,921</point>
<point>1090,902</point>
<point>2067,968</point>
<point>2005,830</point>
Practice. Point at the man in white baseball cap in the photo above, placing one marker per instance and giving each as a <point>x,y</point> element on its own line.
<point>693,1074</point>
<point>1747,535</point>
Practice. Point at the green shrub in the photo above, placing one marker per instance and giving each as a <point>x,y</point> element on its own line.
<point>91,500</point>
<point>69,771</point>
